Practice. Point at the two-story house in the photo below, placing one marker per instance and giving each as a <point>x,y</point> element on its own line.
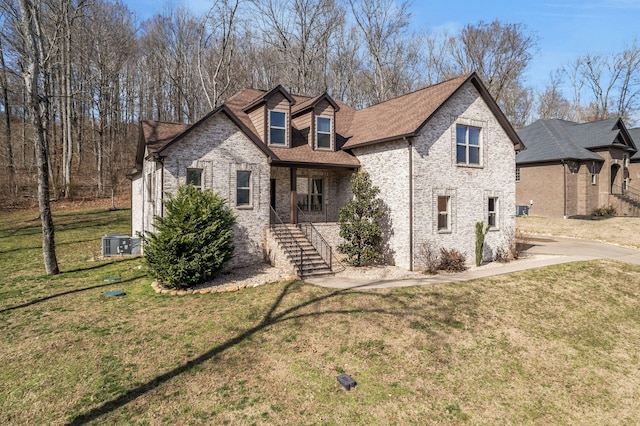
<point>443,157</point>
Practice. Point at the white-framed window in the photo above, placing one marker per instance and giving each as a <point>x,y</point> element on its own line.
<point>517,174</point>
<point>492,212</point>
<point>594,175</point>
<point>444,213</point>
<point>277,127</point>
<point>467,145</point>
<point>194,177</point>
<point>625,160</point>
<point>323,133</point>
<point>243,188</point>
<point>310,193</point>
<point>625,184</point>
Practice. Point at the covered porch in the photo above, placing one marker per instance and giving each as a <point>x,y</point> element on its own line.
<point>307,193</point>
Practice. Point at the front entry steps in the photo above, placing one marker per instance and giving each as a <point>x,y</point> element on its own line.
<point>298,250</point>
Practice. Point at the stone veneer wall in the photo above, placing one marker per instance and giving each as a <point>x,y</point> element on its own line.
<point>220,149</point>
<point>435,173</point>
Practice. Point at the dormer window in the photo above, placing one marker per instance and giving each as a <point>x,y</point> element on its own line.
<point>277,127</point>
<point>323,133</point>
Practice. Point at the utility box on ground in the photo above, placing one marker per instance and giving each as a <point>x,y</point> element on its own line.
<point>120,245</point>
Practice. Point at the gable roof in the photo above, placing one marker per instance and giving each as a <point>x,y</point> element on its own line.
<point>556,140</point>
<point>301,107</point>
<point>300,151</point>
<point>406,115</point>
<point>153,136</point>
<point>264,96</point>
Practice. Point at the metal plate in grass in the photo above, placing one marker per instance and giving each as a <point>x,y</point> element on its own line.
<point>112,279</point>
<point>115,293</point>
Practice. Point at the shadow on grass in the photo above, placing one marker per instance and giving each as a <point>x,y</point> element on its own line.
<point>101,265</point>
<point>83,221</point>
<point>58,244</point>
<point>269,319</point>
<point>65,293</point>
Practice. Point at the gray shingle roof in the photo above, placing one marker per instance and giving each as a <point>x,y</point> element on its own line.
<point>635,135</point>
<point>554,140</point>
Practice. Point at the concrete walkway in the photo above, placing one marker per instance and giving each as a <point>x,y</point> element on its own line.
<point>544,252</point>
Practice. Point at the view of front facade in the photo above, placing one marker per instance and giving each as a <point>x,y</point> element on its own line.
<point>443,158</point>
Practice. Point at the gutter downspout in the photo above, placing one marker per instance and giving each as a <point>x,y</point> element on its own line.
<point>162,187</point>
<point>564,176</point>
<point>410,146</point>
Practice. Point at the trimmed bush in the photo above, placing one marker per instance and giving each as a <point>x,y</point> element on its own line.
<point>193,241</point>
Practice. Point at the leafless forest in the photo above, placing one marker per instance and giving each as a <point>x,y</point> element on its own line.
<point>76,76</point>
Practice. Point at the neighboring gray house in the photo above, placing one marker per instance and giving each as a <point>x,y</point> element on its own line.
<point>443,158</point>
<point>572,168</point>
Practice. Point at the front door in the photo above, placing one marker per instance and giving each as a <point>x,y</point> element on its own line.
<point>273,193</point>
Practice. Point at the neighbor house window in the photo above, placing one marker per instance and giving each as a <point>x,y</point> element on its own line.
<point>310,194</point>
<point>467,145</point>
<point>243,188</point>
<point>625,162</point>
<point>277,127</point>
<point>194,177</point>
<point>444,213</point>
<point>492,212</point>
<point>323,133</point>
<point>517,174</point>
<point>594,175</point>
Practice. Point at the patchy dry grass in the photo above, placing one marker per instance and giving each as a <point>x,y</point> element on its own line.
<point>559,345</point>
<point>614,230</point>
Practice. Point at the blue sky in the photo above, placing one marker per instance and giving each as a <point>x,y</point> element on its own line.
<point>566,28</point>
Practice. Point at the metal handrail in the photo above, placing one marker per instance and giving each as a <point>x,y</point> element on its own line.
<point>315,238</point>
<point>290,250</point>
<point>628,192</point>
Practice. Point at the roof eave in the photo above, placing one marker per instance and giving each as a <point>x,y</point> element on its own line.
<point>376,141</point>
<point>225,109</point>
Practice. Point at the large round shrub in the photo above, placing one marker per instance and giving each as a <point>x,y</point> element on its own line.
<point>192,241</point>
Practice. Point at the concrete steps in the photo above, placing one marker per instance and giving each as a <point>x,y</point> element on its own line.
<point>300,251</point>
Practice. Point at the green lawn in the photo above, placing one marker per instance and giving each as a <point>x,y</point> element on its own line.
<point>559,345</point>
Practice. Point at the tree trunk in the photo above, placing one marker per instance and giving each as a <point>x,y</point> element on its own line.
<point>7,114</point>
<point>29,21</point>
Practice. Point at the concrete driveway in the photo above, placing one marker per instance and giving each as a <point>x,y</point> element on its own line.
<point>543,252</point>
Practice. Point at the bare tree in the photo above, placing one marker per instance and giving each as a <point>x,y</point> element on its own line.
<point>34,58</point>
<point>4,84</point>
<point>300,32</point>
<point>216,50</point>
<point>551,102</point>
<point>383,25</point>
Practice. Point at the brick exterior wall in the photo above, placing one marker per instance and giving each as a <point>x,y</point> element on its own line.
<point>220,149</point>
<point>435,173</point>
<point>543,184</point>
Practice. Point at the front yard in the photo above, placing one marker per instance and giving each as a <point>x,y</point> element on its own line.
<point>559,345</point>
<point>615,230</point>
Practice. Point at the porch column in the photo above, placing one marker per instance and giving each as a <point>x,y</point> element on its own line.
<point>293,201</point>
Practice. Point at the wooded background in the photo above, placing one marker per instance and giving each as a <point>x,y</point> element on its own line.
<point>101,71</point>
